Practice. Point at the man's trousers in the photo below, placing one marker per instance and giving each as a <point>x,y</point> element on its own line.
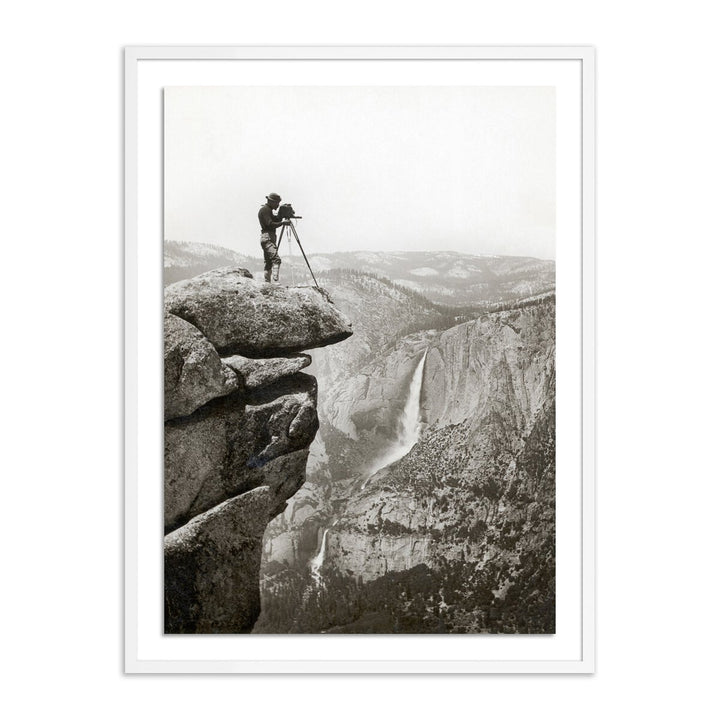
<point>272,259</point>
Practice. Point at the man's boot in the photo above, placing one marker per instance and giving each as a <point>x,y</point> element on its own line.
<point>276,272</point>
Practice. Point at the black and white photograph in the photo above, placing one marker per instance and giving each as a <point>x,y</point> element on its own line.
<point>359,359</point>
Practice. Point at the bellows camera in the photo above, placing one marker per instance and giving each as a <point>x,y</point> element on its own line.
<point>285,212</point>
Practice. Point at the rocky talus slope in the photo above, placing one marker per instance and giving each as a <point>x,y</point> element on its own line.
<point>239,420</point>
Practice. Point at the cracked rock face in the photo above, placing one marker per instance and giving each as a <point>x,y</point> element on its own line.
<point>237,434</point>
<point>194,373</point>
<point>211,567</point>
<point>257,373</point>
<point>223,449</point>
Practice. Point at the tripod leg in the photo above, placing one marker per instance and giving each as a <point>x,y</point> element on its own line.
<point>297,240</point>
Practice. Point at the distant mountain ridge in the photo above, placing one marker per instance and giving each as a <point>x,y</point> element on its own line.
<point>185,260</point>
<point>446,277</point>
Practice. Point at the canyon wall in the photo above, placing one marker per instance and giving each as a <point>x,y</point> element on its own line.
<point>487,403</point>
<point>468,512</point>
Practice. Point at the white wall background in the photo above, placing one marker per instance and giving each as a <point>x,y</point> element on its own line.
<point>61,160</point>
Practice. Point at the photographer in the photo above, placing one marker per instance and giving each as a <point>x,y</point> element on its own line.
<point>269,222</point>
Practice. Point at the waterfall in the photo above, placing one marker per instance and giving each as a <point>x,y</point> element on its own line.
<point>410,424</point>
<point>317,561</point>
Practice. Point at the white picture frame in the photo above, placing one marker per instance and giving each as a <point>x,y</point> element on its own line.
<point>150,68</point>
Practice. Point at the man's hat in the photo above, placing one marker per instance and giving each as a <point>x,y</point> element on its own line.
<point>273,196</point>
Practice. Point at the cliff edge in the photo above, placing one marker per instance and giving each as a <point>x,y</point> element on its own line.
<point>239,421</point>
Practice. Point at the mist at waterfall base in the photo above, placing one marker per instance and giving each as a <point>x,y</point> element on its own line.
<point>410,425</point>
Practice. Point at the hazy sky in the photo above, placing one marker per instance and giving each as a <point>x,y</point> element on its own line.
<point>470,169</point>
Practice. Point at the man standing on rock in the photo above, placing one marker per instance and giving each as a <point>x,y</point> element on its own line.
<point>268,240</point>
